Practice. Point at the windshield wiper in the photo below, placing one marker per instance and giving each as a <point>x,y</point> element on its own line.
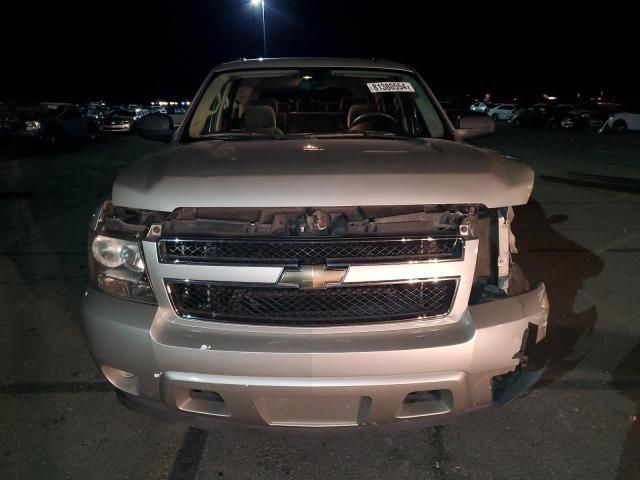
<point>364,134</point>
<point>238,136</point>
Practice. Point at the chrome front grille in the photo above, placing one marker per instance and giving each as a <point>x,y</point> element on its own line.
<point>339,305</point>
<point>301,251</point>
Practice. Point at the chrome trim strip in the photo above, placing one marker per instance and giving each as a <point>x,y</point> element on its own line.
<point>330,262</point>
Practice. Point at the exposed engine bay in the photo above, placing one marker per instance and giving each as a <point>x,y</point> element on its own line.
<point>313,221</point>
<point>495,273</point>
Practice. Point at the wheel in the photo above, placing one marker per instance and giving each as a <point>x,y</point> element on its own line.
<point>51,139</point>
<point>516,123</point>
<point>495,117</point>
<point>620,126</point>
<point>54,137</point>
<point>554,125</point>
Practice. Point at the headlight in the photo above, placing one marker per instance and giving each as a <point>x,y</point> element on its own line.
<point>116,267</point>
<point>32,126</point>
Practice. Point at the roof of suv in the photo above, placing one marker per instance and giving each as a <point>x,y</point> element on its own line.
<point>310,62</point>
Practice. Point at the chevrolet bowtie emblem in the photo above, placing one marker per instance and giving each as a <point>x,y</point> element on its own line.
<point>311,276</point>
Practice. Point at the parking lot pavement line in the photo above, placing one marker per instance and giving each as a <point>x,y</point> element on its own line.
<point>436,440</point>
<point>612,312</point>
<point>52,388</point>
<point>187,462</point>
<point>619,198</point>
<point>616,242</point>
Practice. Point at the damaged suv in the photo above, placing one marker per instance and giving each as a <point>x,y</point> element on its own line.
<point>316,246</point>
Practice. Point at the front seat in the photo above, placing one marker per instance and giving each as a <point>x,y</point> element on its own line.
<point>347,102</point>
<point>261,119</point>
<point>265,102</point>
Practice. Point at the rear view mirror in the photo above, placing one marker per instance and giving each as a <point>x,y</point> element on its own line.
<point>475,126</point>
<point>156,126</point>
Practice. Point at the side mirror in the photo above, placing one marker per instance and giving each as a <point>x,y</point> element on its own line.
<point>475,126</point>
<point>156,126</point>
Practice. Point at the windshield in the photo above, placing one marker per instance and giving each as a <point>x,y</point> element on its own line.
<point>287,103</point>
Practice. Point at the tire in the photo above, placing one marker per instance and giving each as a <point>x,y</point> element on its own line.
<point>495,117</point>
<point>52,139</point>
<point>554,125</point>
<point>620,126</point>
<point>516,123</point>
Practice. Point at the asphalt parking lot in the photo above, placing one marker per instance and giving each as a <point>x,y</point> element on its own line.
<point>579,234</point>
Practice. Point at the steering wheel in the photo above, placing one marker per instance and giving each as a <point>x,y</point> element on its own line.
<point>372,117</point>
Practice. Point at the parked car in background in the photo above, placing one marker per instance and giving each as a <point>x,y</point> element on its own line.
<point>503,111</point>
<point>553,117</point>
<point>4,116</point>
<point>595,115</point>
<point>49,123</point>
<point>177,114</point>
<point>621,122</point>
<point>157,109</point>
<point>120,121</point>
<point>532,116</point>
<point>567,117</point>
<point>481,107</point>
<point>94,113</point>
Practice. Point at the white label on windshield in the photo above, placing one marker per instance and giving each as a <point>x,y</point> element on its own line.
<point>383,87</point>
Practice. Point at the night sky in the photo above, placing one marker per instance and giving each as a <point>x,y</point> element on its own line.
<point>138,50</point>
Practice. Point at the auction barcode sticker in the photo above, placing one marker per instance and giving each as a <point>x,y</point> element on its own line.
<point>382,87</point>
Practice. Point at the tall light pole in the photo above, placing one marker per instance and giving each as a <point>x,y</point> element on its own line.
<point>260,3</point>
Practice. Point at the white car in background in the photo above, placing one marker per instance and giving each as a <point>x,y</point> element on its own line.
<point>121,120</point>
<point>503,111</point>
<point>481,107</point>
<point>622,121</point>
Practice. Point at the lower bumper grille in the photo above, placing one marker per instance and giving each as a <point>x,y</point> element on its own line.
<point>344,305</point>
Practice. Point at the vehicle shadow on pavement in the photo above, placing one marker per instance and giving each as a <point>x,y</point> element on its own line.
<point>625,381</point>
<point>563,266</point>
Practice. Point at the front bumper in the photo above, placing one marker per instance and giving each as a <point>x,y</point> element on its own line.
<point>115,128</point>
<point>313,379</point>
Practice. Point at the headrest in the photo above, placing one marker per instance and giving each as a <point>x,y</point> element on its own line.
<point>259,117</point>
<point>266,102</point>
<point>346,102</point>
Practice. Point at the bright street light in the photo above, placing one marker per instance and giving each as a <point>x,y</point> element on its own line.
<point>260,3</point>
